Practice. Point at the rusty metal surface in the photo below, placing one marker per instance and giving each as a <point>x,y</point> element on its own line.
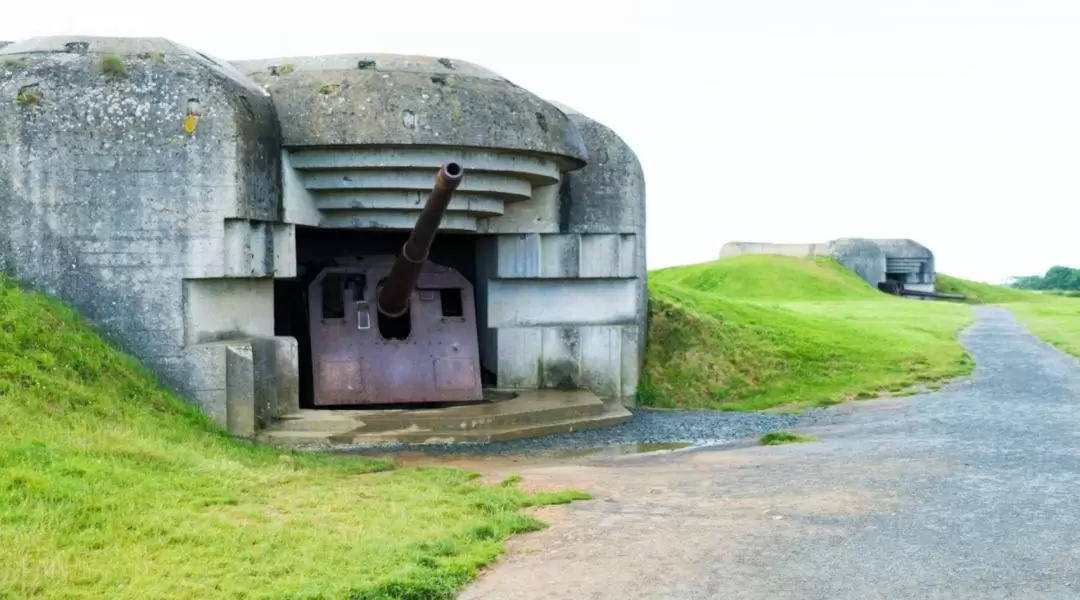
<point>353,364</point>
<point>394,296</point>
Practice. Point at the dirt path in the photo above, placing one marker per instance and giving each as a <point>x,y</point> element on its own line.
<point>972,492</point>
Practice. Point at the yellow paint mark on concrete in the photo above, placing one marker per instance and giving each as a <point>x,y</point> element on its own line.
<point>189,123</point>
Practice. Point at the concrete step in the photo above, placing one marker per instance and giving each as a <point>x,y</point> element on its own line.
<point>531,414</point>
<point>527,408</point>
<point>322,421</point>
<point>616,416</point>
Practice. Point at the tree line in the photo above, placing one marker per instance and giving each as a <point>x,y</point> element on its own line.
<point>1057,278</point>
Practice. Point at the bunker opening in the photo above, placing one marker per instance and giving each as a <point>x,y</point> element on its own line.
<point>386,317</point>
<point>907,271</point>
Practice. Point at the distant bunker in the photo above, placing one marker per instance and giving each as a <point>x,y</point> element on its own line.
<point>238,227</point>
<point>896,266</point>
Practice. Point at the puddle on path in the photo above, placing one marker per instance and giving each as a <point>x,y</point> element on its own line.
<point>616,450</point>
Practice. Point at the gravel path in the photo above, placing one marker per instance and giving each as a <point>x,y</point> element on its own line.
<point>970,492</point>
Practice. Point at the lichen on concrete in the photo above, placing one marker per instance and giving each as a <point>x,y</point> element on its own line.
<point>393,100</point>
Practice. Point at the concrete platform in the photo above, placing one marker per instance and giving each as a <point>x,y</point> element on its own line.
<point>529,414</point>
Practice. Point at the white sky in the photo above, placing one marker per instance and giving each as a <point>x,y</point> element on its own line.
<point>952,122</point>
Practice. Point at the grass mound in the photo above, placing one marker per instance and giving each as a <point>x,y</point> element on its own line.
<point>984,293</point>
<point>755,277</point>
<point>112,488</point>
<point>755,332</point>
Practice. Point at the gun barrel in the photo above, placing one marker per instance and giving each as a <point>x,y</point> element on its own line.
<point>394,296</point>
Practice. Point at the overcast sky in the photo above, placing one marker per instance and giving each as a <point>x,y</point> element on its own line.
<point>952,122</point>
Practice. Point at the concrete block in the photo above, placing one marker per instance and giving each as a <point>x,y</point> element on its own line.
<point>560,357</point>
<point>204,255</point>
<point>558,302</point>
<point>213,403</point>
<point>284,250</point>
<point>609,255</point>
<point>298,201</point>
<point>602,362</point>
<point>519,358</point>
<point>560,256</point>
<point>249,248</point>
<point>240,390</point>
<point>518,256</point>
<point>203,366</point>
<point>287,374</point>
<point>567,256</point>
<point>264,381</point>
<point>277,378</point>
<point>539,214</point>
<point>632,256</point>
<point>632,354</point>
<point>222,309</point>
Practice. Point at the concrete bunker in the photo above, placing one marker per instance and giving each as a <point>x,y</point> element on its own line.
<point>896,266</point>
<point>196,210</point>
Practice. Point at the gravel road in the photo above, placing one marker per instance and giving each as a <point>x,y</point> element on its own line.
<point>969,492</point>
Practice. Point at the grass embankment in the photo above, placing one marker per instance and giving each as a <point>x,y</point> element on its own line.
<point>1052,317</point>
<point>755,332</point>
<point>112,488</point>
<point>985,293</point>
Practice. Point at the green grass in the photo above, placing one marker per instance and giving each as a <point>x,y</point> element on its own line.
<point>776,438</point>
<point>1055,320</point>
<point>1053,317</point>
<point>112,488</point>
<point>984,293</point>
<point>113,64</point>
<point>758,332</point>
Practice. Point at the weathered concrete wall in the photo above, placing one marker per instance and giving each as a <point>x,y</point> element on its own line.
<point>864,257</point>
<point>139,182</point>
<point>569,308</point>
<point>560,272</point>
<point>912,259</point>
<point>157,190</point>
<point>364,134</point>
<point>393,100</point>
<point>793,250</point>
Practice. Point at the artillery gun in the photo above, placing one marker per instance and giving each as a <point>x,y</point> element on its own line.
<point>397,329</point>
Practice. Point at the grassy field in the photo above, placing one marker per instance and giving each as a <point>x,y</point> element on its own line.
<point>1054,318</point>
<point>756,332</point>
<point>985,293</point>
<point>113,489</point>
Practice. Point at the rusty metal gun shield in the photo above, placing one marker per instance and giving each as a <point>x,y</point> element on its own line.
<point>431,354</point>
